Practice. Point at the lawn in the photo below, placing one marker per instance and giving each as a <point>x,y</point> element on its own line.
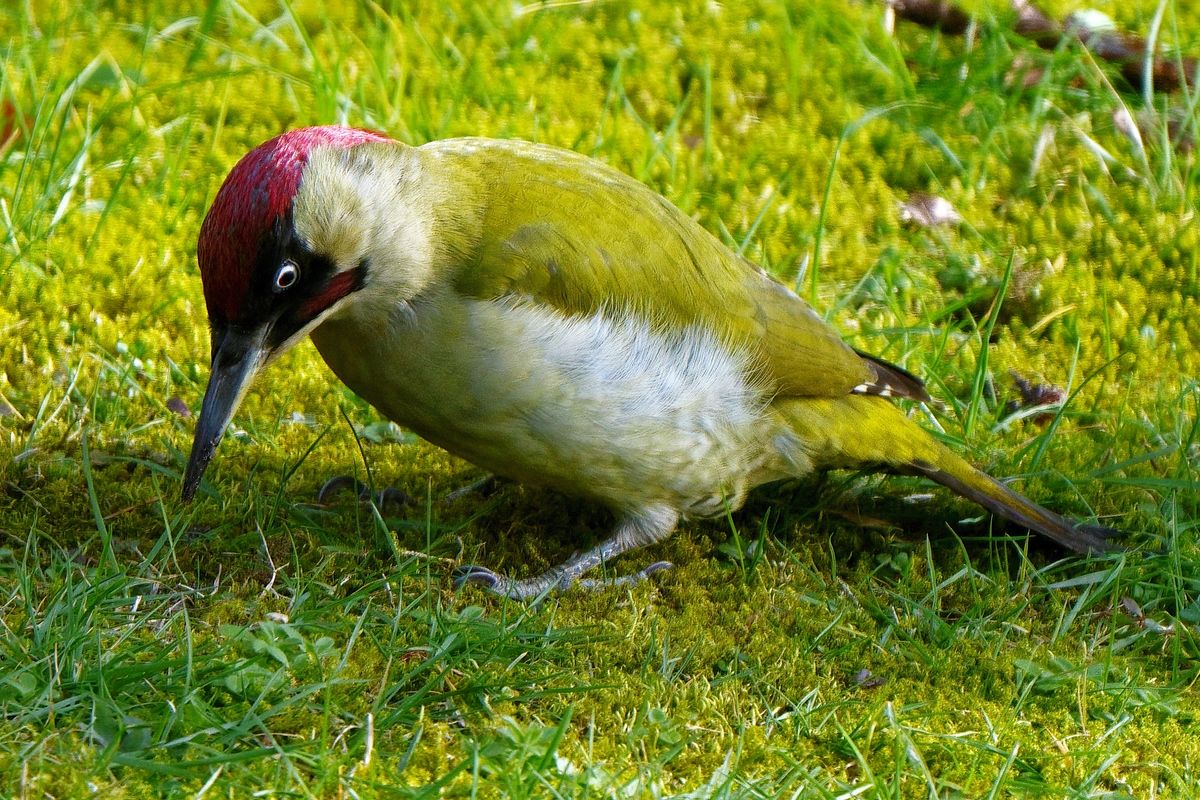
<point>847,636</point>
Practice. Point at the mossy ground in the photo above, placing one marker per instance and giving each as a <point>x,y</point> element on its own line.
<point>833,639</point>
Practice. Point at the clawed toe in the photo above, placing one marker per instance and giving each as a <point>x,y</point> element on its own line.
<point>557,579</point>
<point>383,498</point>
<point>504,586</point>
<point>479,575</point>
<point>483,487</point>
<point>596,584</point>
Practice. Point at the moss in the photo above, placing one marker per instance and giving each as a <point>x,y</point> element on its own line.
<point>718,669</point>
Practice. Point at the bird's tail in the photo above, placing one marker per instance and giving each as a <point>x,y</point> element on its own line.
<point>957,475</point>
<point>863,431</point>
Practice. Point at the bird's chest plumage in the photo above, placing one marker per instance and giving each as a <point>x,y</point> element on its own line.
<point>603,405</point>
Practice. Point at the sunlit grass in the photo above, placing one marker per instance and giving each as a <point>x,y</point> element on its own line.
<point>844,637</point>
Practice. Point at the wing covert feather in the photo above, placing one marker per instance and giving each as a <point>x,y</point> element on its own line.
<point>561,229</point>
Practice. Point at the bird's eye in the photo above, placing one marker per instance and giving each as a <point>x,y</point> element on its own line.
<point>287,275</point>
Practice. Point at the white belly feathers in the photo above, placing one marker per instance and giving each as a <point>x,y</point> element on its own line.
<point>605,404</point>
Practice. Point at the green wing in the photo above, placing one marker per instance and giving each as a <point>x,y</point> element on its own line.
<point>568,231</point>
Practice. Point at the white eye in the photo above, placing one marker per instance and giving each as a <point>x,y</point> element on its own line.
<point>288,274</point>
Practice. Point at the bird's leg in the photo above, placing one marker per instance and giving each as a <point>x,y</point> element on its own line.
<point>383,498</point>
<point>638,529</point>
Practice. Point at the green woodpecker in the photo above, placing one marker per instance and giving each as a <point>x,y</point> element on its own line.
<point>553,321</point>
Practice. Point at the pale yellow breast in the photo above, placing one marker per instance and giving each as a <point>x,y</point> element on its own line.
<point>599,405</point>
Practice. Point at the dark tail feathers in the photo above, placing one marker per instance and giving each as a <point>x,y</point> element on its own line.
<point>1002,501</point>
<point>891,381</point>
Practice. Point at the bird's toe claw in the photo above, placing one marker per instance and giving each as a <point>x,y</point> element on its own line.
<point>596,584</point>
<point>483,576</point>
<point>390,496</point>
<point>657,566</point>
<point>484,487</point>
<point>503,586</point>
<point>554,580</point>
<point>338,483</point>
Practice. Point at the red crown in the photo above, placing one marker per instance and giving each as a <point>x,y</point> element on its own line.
<point>258,191</point>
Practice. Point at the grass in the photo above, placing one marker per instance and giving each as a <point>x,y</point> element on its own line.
<point>852,636</point>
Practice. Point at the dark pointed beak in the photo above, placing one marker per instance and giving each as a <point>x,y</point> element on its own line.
<point>237,358</point>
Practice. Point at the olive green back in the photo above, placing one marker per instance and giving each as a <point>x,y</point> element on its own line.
<point>568,231</point>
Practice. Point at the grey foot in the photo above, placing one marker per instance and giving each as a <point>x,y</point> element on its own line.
<point>556,579</point>
<point>383,498</point>
<point>483,487</point>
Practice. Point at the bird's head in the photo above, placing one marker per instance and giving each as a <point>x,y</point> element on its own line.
<point>301,226</point>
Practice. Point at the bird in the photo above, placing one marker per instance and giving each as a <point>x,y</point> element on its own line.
<point>552,320</point>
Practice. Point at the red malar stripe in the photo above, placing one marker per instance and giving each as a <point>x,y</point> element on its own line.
<point>338,287</point>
